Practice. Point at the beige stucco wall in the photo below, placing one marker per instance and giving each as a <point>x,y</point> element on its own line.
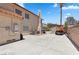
<point>7,20</point>
<point>33,22</point>
<point>7,6</point>
<point>8,17</point>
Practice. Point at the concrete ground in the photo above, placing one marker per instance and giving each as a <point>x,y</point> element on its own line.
<point>46,44</point>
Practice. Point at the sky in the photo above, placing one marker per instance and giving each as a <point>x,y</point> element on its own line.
<point>50,12</point>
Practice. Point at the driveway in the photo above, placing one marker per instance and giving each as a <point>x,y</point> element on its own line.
<point>46,44</point>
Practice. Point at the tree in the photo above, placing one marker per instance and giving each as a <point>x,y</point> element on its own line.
<point>46,28</point>
<point>71,21</point>
<point>78,23</point>
<point>66,26</point>
<point>49,25</point>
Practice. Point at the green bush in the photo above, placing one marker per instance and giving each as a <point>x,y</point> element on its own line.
<point>46,28</point>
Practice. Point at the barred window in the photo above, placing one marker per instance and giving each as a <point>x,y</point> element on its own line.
<point>27,16</point>
<point>15,27</point>
<point>25,28</point>
<point>18,11</point>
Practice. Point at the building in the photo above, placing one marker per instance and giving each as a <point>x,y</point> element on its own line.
<point>14,20</point>
<point>10,26</point>
<point>30,21</point>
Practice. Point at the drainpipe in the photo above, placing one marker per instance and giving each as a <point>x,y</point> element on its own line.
<point>40,23</point>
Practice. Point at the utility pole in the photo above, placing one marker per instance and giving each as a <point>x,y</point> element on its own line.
<point>61,13</point>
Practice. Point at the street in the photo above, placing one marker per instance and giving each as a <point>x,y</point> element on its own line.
<point>46,44</point>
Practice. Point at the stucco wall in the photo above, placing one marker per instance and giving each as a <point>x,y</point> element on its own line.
<point>7,6</point>
<point>33,22</point>
<point>6,26</point>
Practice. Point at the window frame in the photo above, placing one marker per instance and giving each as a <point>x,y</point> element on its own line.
<point>18,12</point>
<point>26,16</point>
<point>14,27</point>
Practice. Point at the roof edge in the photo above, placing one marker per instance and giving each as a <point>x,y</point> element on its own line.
<point>25,9</point>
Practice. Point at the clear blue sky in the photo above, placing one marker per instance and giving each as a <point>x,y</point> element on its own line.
<point>51,11</point>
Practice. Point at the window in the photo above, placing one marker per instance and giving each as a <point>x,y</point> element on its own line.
<point>25,28</point>
<point>18,11</point>
<point>15,27</point>
<point>27,16</point>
